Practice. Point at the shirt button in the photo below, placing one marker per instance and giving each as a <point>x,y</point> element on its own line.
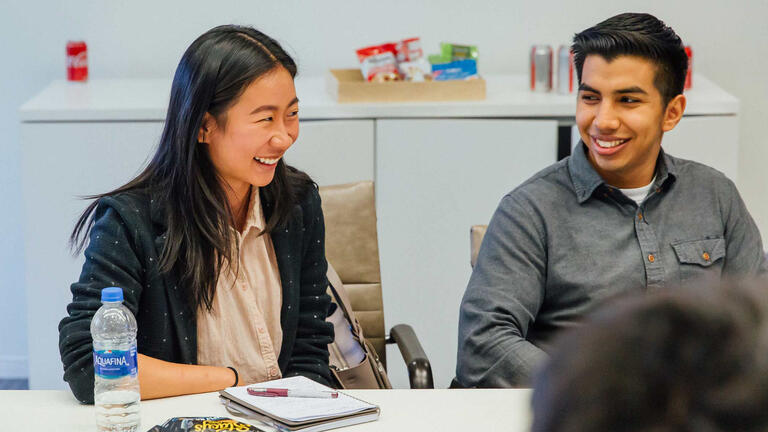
<point>651,258</point>
<point>705,256</point>
<point>261,330</point>
<point>273,371</point>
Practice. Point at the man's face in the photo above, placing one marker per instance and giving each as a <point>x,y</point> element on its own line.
<point>621,118</point>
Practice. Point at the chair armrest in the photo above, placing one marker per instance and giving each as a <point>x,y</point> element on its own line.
<point>419,369</point>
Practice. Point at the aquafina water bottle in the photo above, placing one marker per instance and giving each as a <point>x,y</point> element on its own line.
<point>116,390</point>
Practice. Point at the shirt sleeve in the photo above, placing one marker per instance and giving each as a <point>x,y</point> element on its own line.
<point>744,254</point>
<point>502,299</point>
<point>109,261</point>
<point>310,351</point>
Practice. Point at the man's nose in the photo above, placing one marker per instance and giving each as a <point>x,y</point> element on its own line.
<point>606,118</point>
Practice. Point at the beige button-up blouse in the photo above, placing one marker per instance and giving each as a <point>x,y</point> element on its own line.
<point>243,328</point>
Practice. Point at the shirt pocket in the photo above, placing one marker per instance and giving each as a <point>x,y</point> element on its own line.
<point>701,258</point>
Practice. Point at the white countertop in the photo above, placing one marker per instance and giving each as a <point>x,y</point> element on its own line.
<point>401,410</point>
<point>507,96</point>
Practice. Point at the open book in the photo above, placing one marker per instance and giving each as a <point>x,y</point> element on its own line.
<point>298,414</point>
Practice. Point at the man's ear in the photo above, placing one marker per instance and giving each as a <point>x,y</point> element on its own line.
<point>206,127</point>
<point>673,113</point>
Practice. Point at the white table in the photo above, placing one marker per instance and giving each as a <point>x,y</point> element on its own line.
<point>401,410</point>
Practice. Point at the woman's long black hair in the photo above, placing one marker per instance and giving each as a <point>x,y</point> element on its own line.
<point>213,72</point>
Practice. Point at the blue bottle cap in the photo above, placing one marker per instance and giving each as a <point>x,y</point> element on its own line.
<point>112,294</point>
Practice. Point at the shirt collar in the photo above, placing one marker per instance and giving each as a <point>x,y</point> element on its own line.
<point>255,216</point>
<point>585,179</point>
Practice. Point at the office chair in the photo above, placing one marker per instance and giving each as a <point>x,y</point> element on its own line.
<point>476,234</point>
<point>351,246</point>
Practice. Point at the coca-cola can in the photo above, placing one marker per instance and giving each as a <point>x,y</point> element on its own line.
<point>565,75</point>
<point>77,61</point>
<point>541,68</point>
<point>689,74</point>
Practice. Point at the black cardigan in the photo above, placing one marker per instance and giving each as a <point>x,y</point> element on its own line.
<point>124,249</point>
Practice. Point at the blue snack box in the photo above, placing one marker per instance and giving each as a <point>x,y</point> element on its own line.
<point>455,70</point>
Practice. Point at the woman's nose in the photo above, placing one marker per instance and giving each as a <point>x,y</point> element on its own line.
<point>281,139</point>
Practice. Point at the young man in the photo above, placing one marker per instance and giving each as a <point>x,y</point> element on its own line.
<point>618,215</point>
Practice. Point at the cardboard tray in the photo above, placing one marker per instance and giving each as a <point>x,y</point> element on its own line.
<point>348,85</point>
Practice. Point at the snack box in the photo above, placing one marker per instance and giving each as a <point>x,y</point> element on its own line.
<point>348,85</point>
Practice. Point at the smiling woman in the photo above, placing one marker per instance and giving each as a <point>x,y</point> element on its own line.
<point>218,244</point>
<point>246,145</point>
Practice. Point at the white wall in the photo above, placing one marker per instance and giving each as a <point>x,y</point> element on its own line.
<point>146,39</point>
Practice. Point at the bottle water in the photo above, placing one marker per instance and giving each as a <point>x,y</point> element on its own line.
<point>116,387</point>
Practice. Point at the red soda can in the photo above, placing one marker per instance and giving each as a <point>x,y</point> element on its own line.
<point>565,78</point>
<point>689,74</point>
<point>541,68</point>
<point>77,61</point>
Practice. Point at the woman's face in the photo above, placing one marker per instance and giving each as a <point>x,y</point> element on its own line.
<point>258,129</point>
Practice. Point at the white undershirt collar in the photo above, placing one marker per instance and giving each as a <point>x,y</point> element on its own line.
<point>638,194</point>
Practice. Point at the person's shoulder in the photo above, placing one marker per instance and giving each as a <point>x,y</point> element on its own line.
<point>694,173</point>
<point>305,189</point>
<point>129,205</point>
<point>693,168</point>
<point>548,182</point>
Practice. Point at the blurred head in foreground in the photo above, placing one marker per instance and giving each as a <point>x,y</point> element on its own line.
<point>686,360</point>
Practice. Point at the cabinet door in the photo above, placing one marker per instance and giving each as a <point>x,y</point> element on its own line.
<point>434,179</point>
<point>60,163</point>
<point>711,140</point>
<point>334,151</point>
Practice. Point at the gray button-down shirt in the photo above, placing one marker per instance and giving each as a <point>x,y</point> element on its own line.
<point>564,241</point>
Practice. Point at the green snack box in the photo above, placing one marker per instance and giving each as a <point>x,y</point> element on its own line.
<point>457,52</point>
<point>438,59</point>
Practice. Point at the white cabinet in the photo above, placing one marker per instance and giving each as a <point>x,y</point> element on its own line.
<point>439,168</point>
<point>63,161</point>
<point>334,151</point>
<point>711,140</point>
<point>435,179</point>
<point>60,163</point>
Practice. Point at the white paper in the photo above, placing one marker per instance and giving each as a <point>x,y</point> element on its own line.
<point>300,409</point>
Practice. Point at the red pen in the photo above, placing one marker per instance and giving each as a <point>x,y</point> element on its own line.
<point>280,392</point>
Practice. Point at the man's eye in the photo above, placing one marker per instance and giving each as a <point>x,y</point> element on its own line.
<point>294,113</point>
<point>265,119</point>
<point>629,100</point>
<point>588,97</point>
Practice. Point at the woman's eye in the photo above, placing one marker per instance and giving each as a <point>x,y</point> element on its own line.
<point>265,119</point>
<point>293,113</point>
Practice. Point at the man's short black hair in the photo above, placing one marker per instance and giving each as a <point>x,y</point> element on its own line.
<point>637,34</point>
<point>693,359</point>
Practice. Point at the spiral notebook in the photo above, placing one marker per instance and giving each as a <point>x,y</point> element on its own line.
<point>298,414</point>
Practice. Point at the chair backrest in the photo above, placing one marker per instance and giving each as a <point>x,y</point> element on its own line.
<point>476,234</point>
<point>352,246</point>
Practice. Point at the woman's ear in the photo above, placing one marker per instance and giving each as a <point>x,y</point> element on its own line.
<point>206,127</point>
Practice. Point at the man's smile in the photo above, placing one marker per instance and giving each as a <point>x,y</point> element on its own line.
<point>607,144</point>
